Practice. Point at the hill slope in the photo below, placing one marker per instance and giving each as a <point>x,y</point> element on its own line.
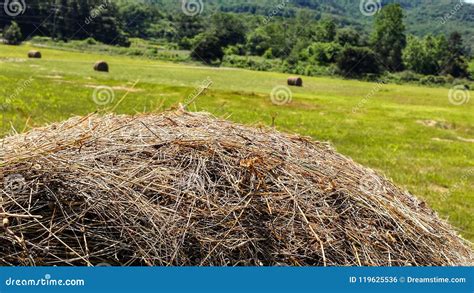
<point>422,16</point>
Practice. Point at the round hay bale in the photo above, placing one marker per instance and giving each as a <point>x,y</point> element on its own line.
<point>186,189</point>
<point>34,54</point>
<point>101,66</point>
<point>295,81</point>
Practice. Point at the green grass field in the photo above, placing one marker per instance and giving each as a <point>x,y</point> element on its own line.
<point>412,134</point>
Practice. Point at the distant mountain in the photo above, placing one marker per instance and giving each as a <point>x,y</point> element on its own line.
<point>422,16</point>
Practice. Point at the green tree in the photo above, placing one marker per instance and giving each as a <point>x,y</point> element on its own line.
<point>188,26</point>
<point>79,19</point>
<point>225,30</point>
<point>455,62</point>
<point>328,30</point>
<point>258,42</point>
<point>422,55</point>
<point>322,53</point>
<point>61,25</point>
<point>389,37</point>
<point>229,28</point>
<point>357,61</point>
<point>348,36</point>
<point>294,56</point>
<point>280,41</point>
<point>12,34</point>
<point>208,48</point>
<point>106,26</point>
<point>138,18</point>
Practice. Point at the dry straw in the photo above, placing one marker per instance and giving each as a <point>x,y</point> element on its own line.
<point>101,66</point>
<point>34,54</point>
<point>187,189</point>
<point>295,81</point>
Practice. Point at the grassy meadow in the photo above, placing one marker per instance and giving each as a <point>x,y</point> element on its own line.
<point>412,134</point>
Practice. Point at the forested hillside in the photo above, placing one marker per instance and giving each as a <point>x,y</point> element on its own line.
<point>312,37</point>
<point>422,16</point>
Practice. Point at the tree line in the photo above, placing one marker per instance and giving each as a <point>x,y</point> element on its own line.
<point>301,41</point>
<point>70,19</point>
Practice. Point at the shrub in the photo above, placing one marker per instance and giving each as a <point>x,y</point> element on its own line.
<point>90,41</point>
<point>450,78</point>
<point>268,54</point>
<point>185,43</point>
<point>151,52</point>
<point>235,50</point>
<point>423,55</point>
<point>408,76</point>
<point>12,34</point>
<point>357,61</point>
<point>462,82</point>
<point>252,62</point>
<point>322,53</point>
<point>432,79</point>
<point>207,48</point>
<point>348,36</point>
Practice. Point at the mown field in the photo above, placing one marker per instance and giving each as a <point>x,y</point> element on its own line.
<point>412,134</point>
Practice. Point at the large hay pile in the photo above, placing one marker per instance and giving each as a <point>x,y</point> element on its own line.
<point>186,189</point>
